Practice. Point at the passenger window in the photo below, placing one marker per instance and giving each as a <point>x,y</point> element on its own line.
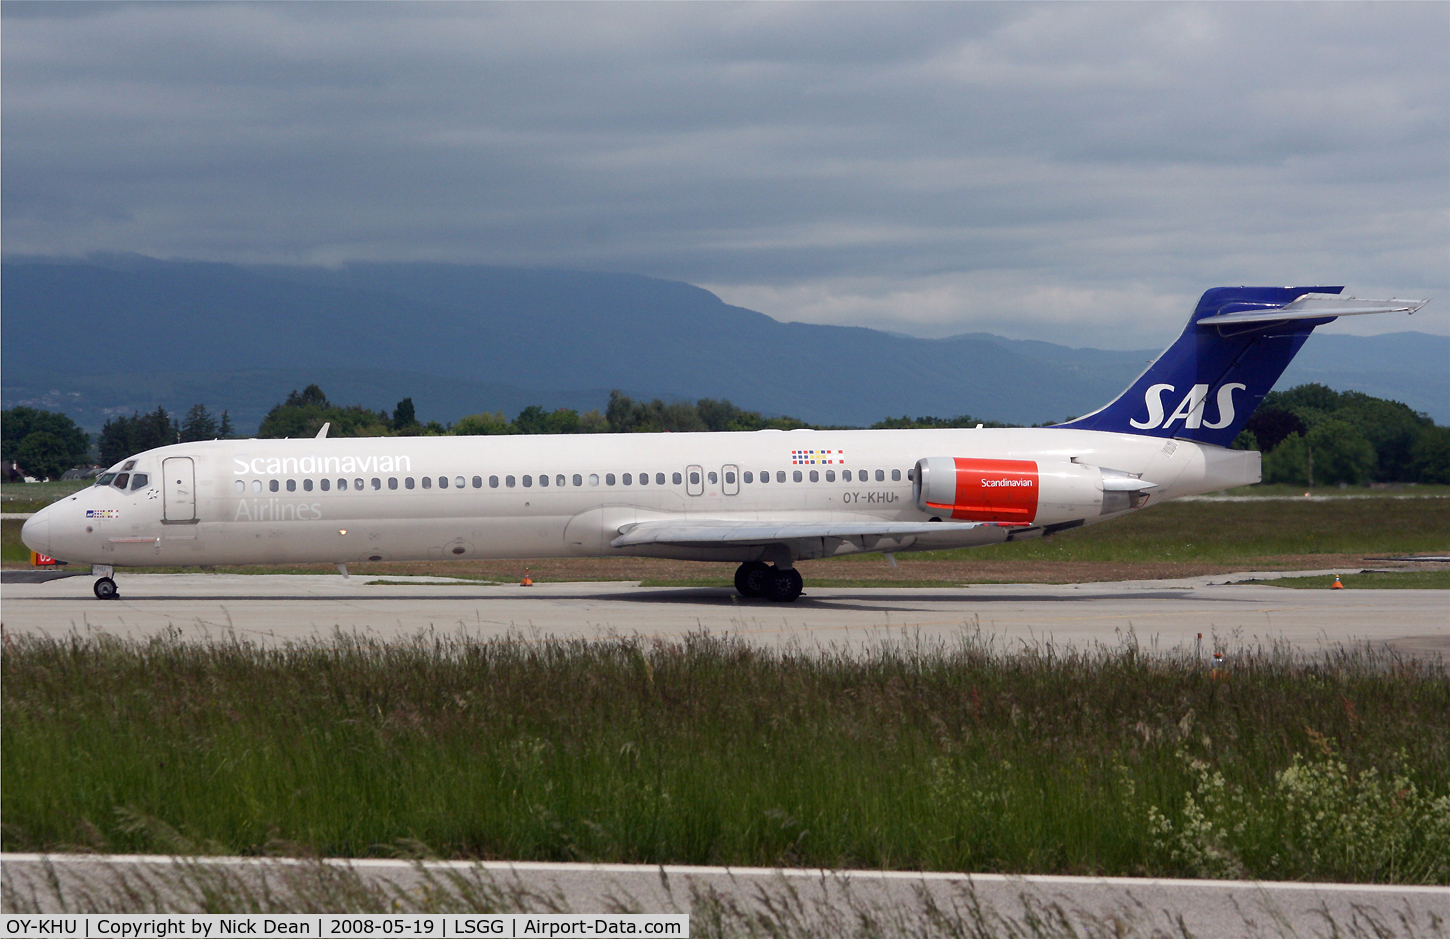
<point>880,476</point>
<point>694,479</point>
<point>712,477</point>
<point>273,485</point>
<point>644,479</point>
<point>478,482</point>
<point>659,479</point>
<point>780,475</point>
<point>325,484</point>
<point>442,482</point>
<point>846,475</point>
<point>593,479</point>
<point>291,485</point>
<point>509,481</point>
<point>578,480</point>
<point>815,476</point>
<point>543,479</point>
<point>609,479</point>
<point>677,479</point>
<point>408,482</point>
<point>306,485</point>
<point>256,485</point>
<point>377,483</point>
<point>239,486</point>
<point>528,482</point>
<point>121,480</point>
<point>830,476</point>
<point>357,484</point>
<point>796,475</point>
<point>459,483</point>
<point>896,475</point>
<point>341,485</point>
<point>730,479</point>
<point>626,479</point>
<point>765,477</point>
<point>392,482</point>
<point>428,482</point>
<point>749,476</point>
<point>493,482</point>
<point>559,480</point>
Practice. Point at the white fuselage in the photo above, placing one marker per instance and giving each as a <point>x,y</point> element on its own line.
<point>346,500</point>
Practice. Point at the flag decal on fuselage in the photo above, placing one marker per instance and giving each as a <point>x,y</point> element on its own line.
<point>815,457</point>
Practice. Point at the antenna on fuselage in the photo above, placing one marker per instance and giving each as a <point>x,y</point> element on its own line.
<point>323,432</point>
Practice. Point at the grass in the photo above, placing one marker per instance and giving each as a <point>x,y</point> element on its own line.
<point>1177,539</point>
<point>32,497</point>
<point>711,751</point>
<point>1367,580</point>
<point>1422,490</point>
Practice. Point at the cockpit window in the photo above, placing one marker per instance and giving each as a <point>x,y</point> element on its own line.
<point>130,465</point>
<point>105,479</point>
<point>138,481</point>
<point>121,480</point>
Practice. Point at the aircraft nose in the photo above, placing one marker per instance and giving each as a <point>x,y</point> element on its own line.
<point>36,532</point>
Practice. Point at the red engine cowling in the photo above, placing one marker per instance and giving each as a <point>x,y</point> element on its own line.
<point>1023,492</point>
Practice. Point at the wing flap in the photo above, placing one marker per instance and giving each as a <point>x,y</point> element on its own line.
<point>695,532</point>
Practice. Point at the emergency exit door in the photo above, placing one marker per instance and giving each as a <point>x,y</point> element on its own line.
<point>178,488</point>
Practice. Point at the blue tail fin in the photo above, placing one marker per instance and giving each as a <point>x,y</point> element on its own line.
<point>1206,385</point>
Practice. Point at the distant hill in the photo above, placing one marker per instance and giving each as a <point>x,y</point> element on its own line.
<point>131,332</point>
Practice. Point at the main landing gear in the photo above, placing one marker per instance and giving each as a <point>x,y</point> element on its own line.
<point>757,579</point>
<point>105,587</point>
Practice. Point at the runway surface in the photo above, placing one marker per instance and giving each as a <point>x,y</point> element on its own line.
<point>1161,614</point>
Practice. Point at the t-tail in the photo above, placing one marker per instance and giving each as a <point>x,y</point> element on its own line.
<point>1237,343</point>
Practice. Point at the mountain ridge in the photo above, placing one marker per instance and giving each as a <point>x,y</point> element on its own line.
<point>471,334</point>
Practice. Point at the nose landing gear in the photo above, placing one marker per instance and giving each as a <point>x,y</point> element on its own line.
<point>755,579</point>
<point>105,587</point>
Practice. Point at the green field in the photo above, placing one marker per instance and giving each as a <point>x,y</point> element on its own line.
<point>1170,540</point>
<point>32,497</point>
<point>710,751</point>
<point>1368,580</point>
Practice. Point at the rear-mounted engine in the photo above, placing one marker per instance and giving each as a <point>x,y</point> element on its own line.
<point>1023,492</point>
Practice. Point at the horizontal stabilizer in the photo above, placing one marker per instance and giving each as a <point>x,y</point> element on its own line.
<point>1314,306</point>
<point>724,532</point>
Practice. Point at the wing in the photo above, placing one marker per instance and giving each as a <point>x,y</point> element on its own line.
<point>716,532</point>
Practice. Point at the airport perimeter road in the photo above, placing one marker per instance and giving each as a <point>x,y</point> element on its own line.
<point>1095,906</point>
<point>1165,614</point>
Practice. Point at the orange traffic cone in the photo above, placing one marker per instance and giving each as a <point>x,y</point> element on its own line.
<point>1336,585</point>
<point>527,581</point>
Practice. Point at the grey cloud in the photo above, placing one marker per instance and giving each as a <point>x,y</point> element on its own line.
<point>757,147</point>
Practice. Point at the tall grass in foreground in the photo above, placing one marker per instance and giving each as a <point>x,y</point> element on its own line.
<point>713,751</point>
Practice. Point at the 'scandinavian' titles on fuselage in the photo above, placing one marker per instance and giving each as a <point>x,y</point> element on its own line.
<point>763,498</point>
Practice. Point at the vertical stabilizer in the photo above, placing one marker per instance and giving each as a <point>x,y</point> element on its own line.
<point>1237,343</point>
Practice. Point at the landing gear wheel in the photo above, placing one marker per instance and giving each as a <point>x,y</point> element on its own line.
<point>784,586</point>
<point>751,578</point>
<point>105,589</point>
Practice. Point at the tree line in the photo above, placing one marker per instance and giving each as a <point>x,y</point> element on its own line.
<point>1309,435</point>
<point>1312,435</point>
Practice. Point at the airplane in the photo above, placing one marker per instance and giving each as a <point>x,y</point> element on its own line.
<point>765,499</point>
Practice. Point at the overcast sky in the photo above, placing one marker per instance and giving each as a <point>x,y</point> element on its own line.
<point>1077,173</point>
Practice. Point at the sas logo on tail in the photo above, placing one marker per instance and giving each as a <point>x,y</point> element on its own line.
<point>1190,409</point>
